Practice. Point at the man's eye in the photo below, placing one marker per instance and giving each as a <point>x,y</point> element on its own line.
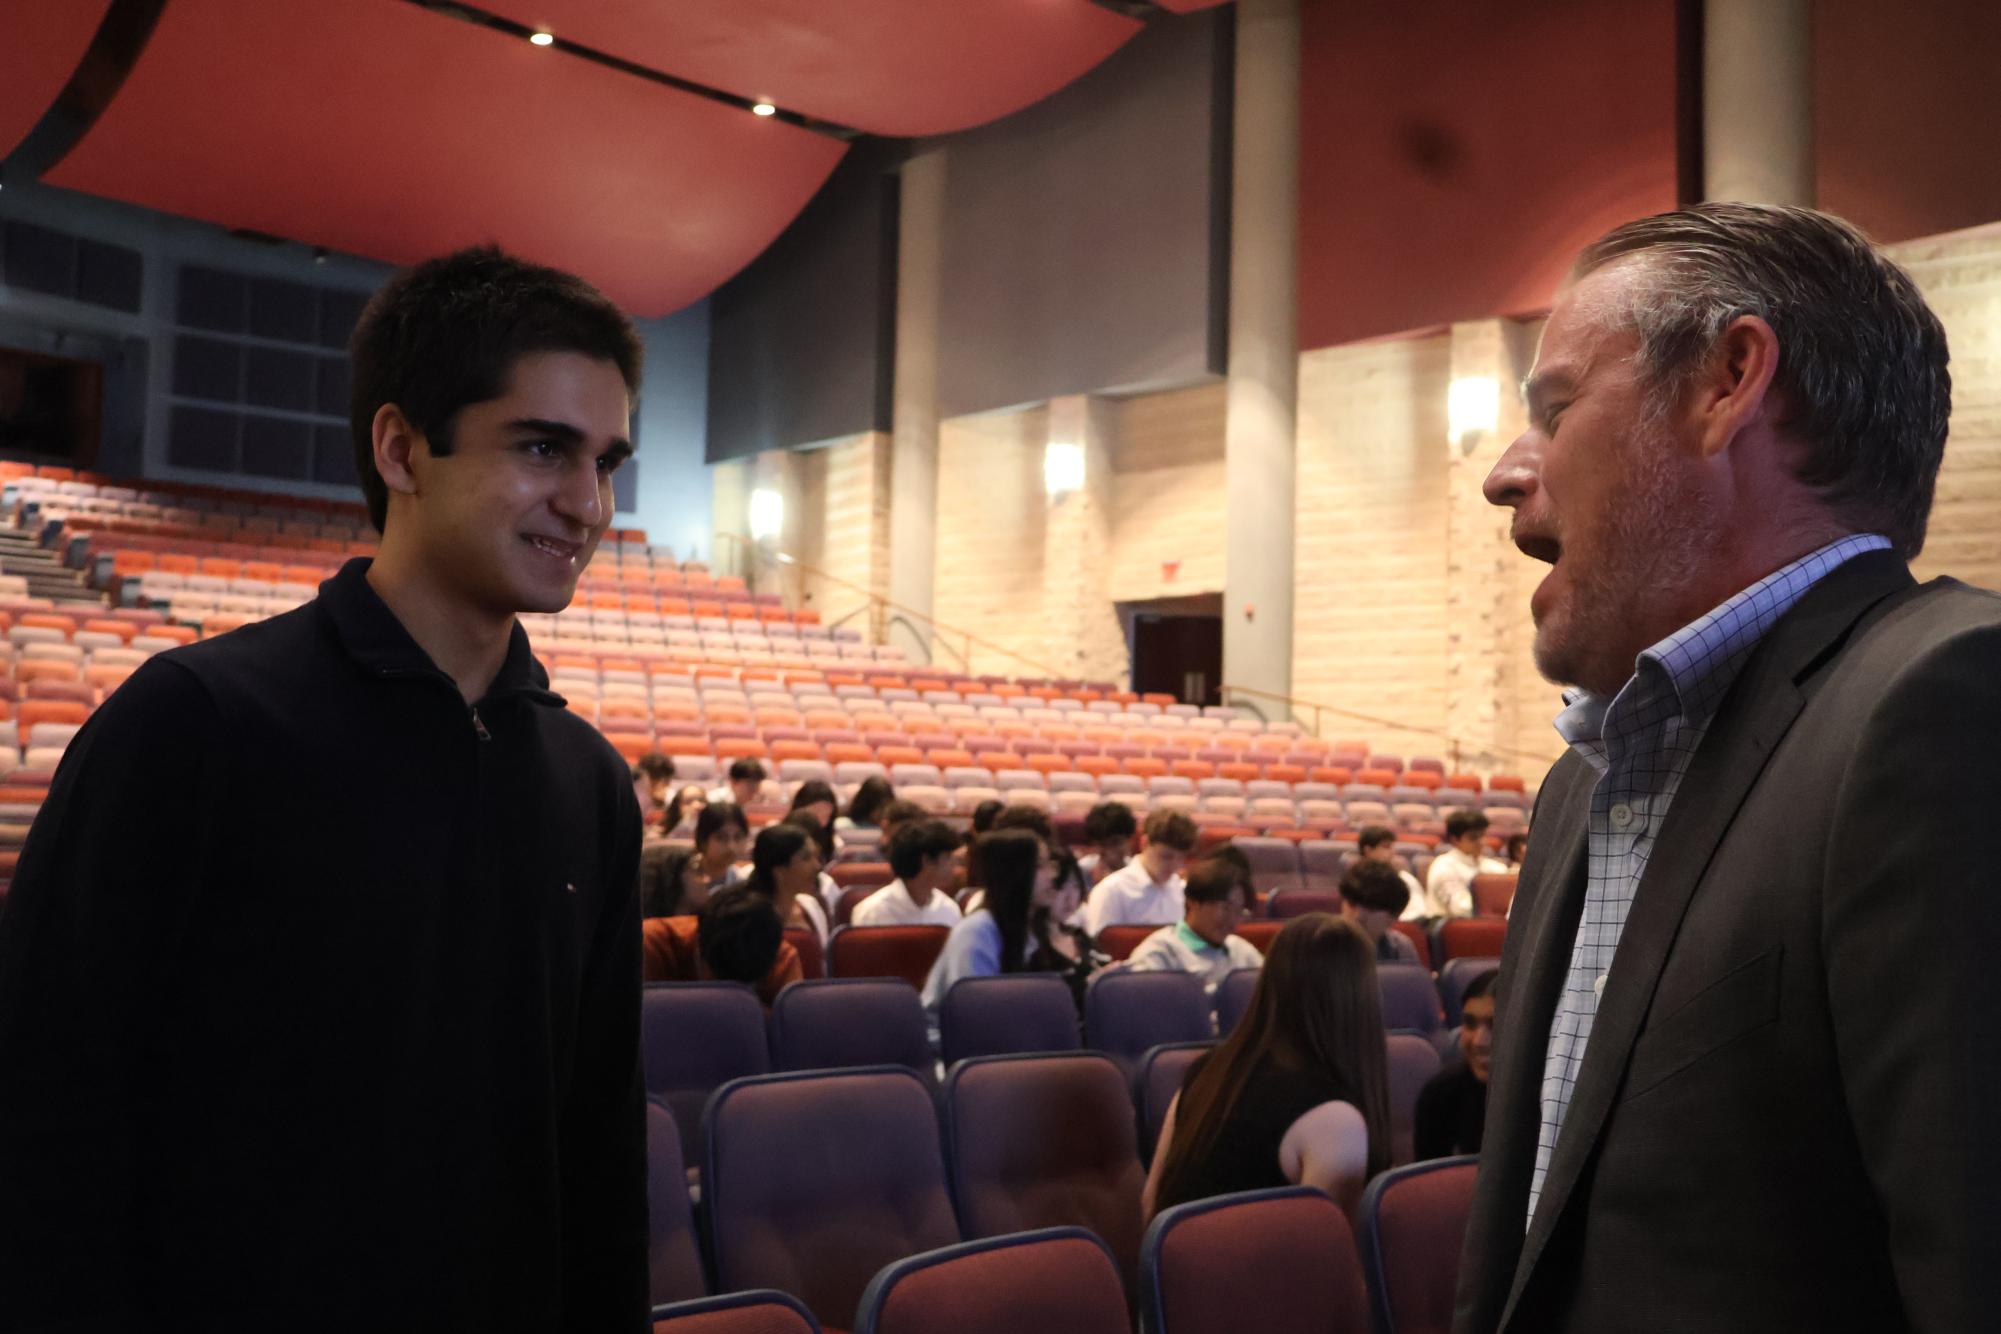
<point>1554,414</point>
<point>607,463</point>
<point>544,449</point>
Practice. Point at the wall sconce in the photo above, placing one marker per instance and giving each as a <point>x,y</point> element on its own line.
<point>1472,409</point>
<point>1062,469</point>
<point>767,514</point>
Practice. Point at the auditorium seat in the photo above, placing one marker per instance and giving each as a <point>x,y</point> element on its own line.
<point>1289,903</point>
<point>1059,1280</point>
<point>1493,893</point>
<point>1233,998</point>
<point>1453,979</point>
<point>1409,998</point>
<point>1126,1013</point>
<point>812,954</point>
<point>1472,937</point>
<point>1259,933</point>
<point>1010,1014</point>
<point>783,1212</point>
<point>1412,1225</point>
<point>843,1022</point>
<point>1289,1253</point>
<point>885,951</point>
<point>1414,933</point>
<point>674,1257</point>
<point>694,1037</point>
<point>755,1312</point>
<point>1161,1072</point>
<point>1045,1141</point>
<point>1412,1059</point>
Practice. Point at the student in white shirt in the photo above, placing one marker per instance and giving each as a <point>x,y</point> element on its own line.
<point>745,785</point>
<point>1202,942</point>
<point>1379,844</point>
<point>1147,891</point>
<point>1109,831</point>
<point>1449,886</point>
<point>922,855</point>
<point>1000,936</point>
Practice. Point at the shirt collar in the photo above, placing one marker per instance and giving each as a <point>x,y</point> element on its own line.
<point>1699,662</point>
<point>377,641</point>
<point>1188,936</point>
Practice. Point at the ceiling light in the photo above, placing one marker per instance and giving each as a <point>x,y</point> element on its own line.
<point>1062,468</point>
<point>544,39</point>
<point>763,109</point>
<point>767,514</point>
<point>1472,407</point>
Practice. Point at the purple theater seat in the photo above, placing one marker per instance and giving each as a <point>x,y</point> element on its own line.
<point>1125,1013</point>
<point>1455,977</point>
<point>842,1022</point>
<point>1413,1224</point>
<point>1412,1060</point>
<point>755,1312</point>
<point>1045,1141</point>
<point>1275,864</point>
<point>673,1257</point>
<point>1288,903</point>
<point>1008,1015</point>
<point>694,1038</point>
<point>1233,998</point>
<point>1057,1280</point>
<point>1409,998</point>
<point>1289,1253</point>
<point>1161,1071</point>
<point>815,1181</point>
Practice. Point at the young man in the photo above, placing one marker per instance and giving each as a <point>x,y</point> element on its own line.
<point>736,937</point>
<point>922,855</point>
<point>745,784</point>
<point>1216,897</point>
<point>319,979</point>
<point>1379,844</point>
<point>1109,830</point>
<point>653,785</point>
<point>1373,896</point>
<point>1452,1106</point>
<point>1147,891</point>
<point>1448,887</point>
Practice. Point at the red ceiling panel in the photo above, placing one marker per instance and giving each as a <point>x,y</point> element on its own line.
<point>375,127</point>
<point>40,46</point>
<point>892,67</point>
<point>1189,6</point>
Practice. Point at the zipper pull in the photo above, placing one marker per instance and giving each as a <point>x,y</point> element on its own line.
<point>479,727</point>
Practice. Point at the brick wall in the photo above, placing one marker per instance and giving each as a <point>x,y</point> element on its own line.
<point>991,518</point>
<point>848,507</point>
<point>1167,497</point>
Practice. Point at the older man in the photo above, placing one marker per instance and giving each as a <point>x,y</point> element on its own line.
<point>1738,1082</point>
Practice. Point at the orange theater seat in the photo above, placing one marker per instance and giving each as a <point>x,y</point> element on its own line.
<point>794,750</point>
<point>1285,773</point>
<point>1096,765</point>
<point>740,748</point>
<point>132,562</point>
<point>123,629</point>
<point>899,755</point>
<point>221,567</point>
<point>1243,772</point>
<point>34,711</point>
<point>1146,768</point>
<point>1195,769</point>
<point>46,669</point>
<point>841,752</point>
<point>48,621</point>
<point>631,745</point>
<point>1332,773</point>
<point>1464,782</point>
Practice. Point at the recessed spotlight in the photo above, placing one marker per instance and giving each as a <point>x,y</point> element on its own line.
<point>544,39</point>
<point>763,109</point>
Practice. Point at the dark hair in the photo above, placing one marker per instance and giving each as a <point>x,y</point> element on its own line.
<point>1862,358</point>
<point>715,817</point>
<point>1109,820</point>
<point>747,769</point>
<point>918,842</point>
<point>1461,823</point>
<point>738,934</point>
<point>776,846</point>
<point>1374,836</point>
<point>670,819</point>
<point>1378,885</point>
<point>1213,879</point>
<point>654,768</point>
<point>1235,857</point>
<point>662,868</point>
<point>1518,846</point>
<point>869,799</point>
<point>900,812</point>
<point>1035,820</point>
<point>813,790</point>
<point>1010,858</point>
<point>1171,829</point>
<point>1316,1005</point>
<point>985,814</point>
<point>1482,985</point>
<point>822,835</point>
<point>447,334</point>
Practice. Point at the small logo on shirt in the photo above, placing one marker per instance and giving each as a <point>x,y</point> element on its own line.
<point>569,888</point>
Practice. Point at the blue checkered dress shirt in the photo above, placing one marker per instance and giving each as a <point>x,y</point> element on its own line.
<point>1641,744</point>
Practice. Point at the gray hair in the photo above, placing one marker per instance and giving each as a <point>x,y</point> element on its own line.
<point>1862,359</point>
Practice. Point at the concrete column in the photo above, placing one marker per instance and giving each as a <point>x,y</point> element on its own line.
<point>1757,101</point>
<point>913,471</point>
<point>1258,433</point>
<point>1081,629</point>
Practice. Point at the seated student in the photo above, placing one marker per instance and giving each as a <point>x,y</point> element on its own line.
<point>825,889</point>
<point>1373,895</point>
<point>785,865</point>
<point>986,813</point>
<point>735,938</point>
<point>721,836</point>
<point>1516,849</point>
<point>1000,935</point>
<point>1202,943</point>
<point>866,809</point>
<point>745,785</point>
<point>678,820</point>
<point>1452,1107</point>
<point>816,799</point>
<point>652,776</point>
<point>1033,819</point>
<point>1298,1093</point>
<point>669,884</point>
<point>921,856</point>
<point>1109,829</point>
<point>1065,949</point>
<point>897,814</point>
<point>1448,887</point>
<point>1147,890</point>
<point>1379,844</point>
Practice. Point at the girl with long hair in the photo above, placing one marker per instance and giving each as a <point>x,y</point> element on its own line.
<point>865,810</point>
<point>999,936</point>
<point>1299,1093</point>
<point>721,833</point>
<point>785,864</point>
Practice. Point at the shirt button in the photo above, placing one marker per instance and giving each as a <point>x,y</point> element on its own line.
<point>1622,815</point>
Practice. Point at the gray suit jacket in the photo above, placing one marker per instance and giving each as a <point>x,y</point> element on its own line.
<point>1789,1114</point>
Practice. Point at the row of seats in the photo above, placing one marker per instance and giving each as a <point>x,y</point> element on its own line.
<point>1006,1144</point>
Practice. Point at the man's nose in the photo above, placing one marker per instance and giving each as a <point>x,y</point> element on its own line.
<point>1513,479</point>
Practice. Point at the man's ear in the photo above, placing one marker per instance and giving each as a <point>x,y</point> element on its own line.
<point>397,444</point>
<point>1733,391</point>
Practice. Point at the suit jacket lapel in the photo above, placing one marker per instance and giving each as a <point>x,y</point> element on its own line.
<point>1756,713</point>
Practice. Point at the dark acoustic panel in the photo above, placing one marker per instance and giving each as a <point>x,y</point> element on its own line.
<point>40,260</point>
<point>277,447</point>
<point>208,368</point>
<point>203,438</point>
<point>333,456</point>
<point>339,312</point>
<point>109,275</point>
<point>330,394</point>
<point>212,299</point>
<point>289,311</point>
<point>275,378</point>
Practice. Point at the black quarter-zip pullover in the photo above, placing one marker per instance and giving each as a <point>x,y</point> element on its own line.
<point>319,1000</point>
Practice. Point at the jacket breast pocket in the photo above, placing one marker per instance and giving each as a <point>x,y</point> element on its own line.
<point>1738,1003</point>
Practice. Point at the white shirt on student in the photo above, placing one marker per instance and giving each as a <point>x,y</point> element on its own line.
<point>892,906</point>
<point>1449,885</point>
<point>973,949</point>
<point>1129,896</point>
<point>1419,906</point>
<point>1178,949</point>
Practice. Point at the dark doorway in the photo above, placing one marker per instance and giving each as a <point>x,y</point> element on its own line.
<point>1178,652</point>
